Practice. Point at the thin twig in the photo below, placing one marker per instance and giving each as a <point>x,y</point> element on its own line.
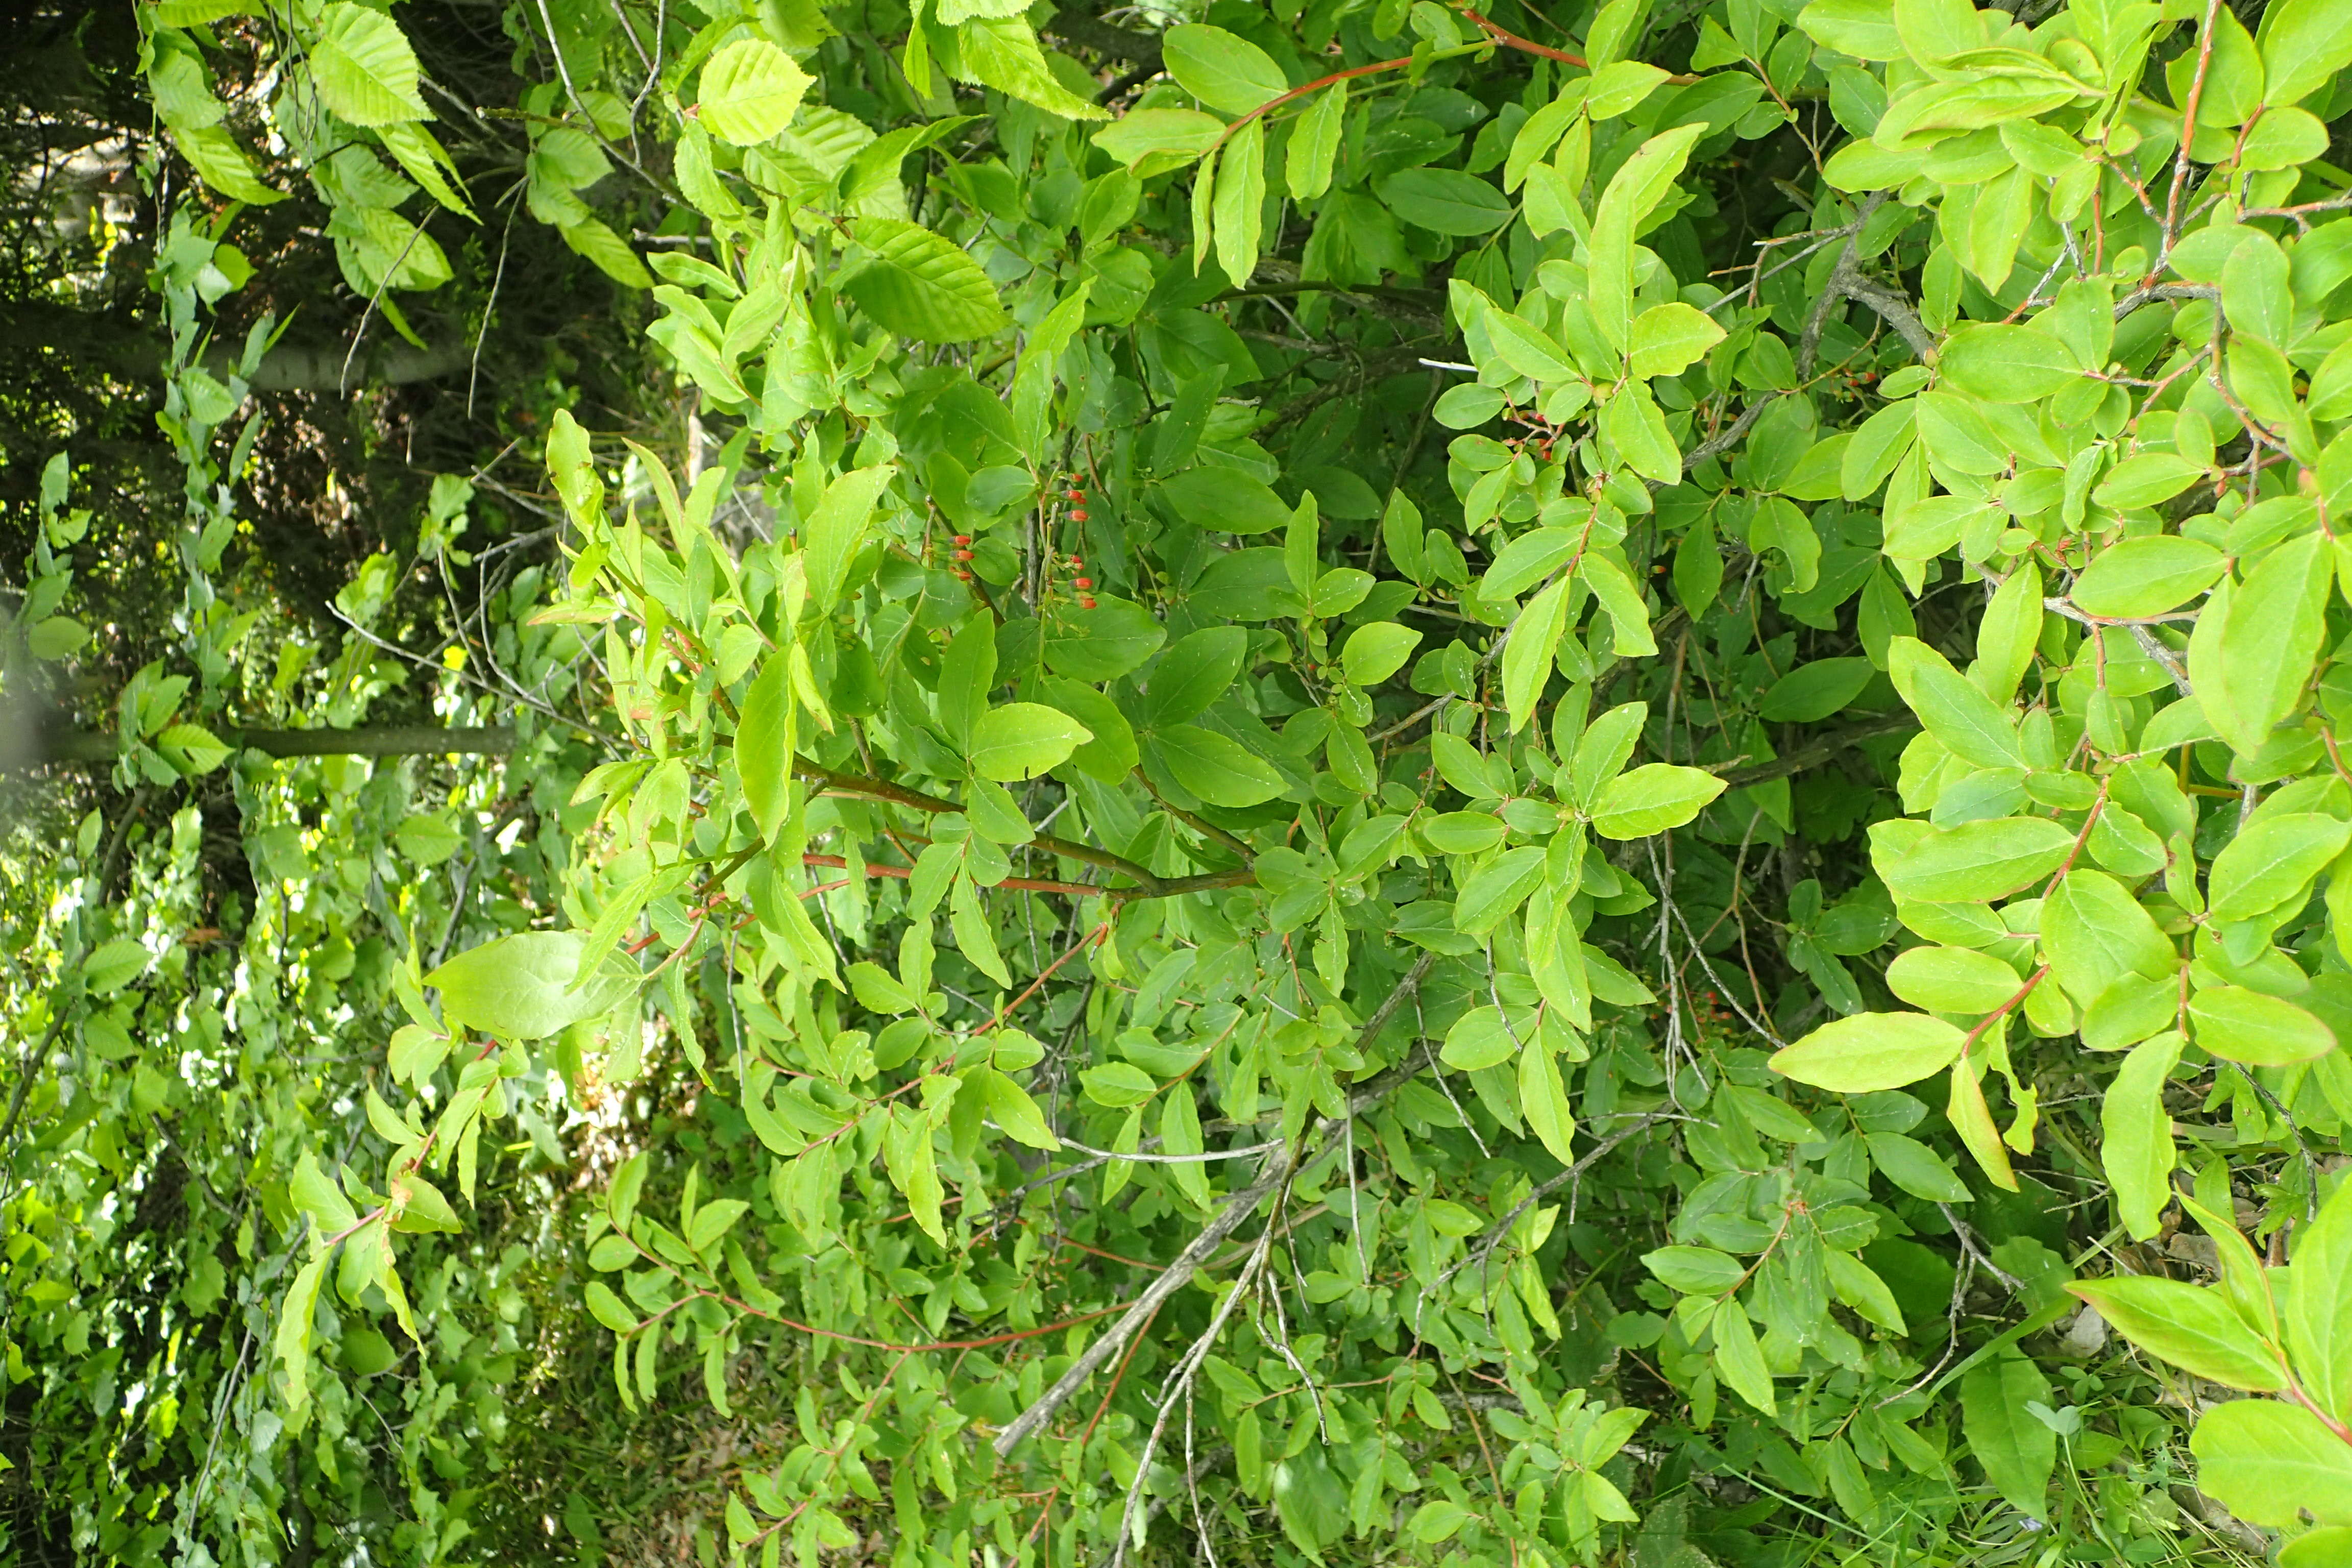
<point>1229,1219</point>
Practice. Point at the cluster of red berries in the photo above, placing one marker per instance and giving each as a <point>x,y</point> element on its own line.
<point>1084,585</point>
<point>962,554</point>
<point>1541,434</point>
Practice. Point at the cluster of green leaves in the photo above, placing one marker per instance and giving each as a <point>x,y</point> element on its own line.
<point>1224,971</point>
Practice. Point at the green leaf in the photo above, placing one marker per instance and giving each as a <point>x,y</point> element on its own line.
<point>877,989</point>
<point>429,164</point>
<point>1695,1271</point>
<point>1527,350</point>
<point>1528,656</point>
<point>2285,139</point>
<point>1977,862</point>
<point>112,965</point>
<point>1377,650</point>
<point>2009,634</point>
<point>2137,1134</point>
<point>2330,1546</point>
<point>2017,1451</point>
<point>2304,44</point>
<point>1738,1360</point>
<point>363,67</point>
<point>1215,767</point>
<point>2147,575</point>
<point>1314,141</point>
<point>1103,643</point>
<point>1021,739</point>
<point>1601,752</point>
<point>1015,1112</point>
<point>1445,201</point>
<point>1651,799</point>
<point>2271,861</point>
<point>316,1194</point>
<point>1463,832</point>
<point>2146,479</point>
<point>597,241</point>
<point>2316,1307</point>
<point>1629,613</point>
<point>763,747</point>
<point>1955,709</point>
<point>2007,364</point>
<point>2254,645</point>
<point>1767,1113</point>
<point>2192,1327</point>
<point>1863,28</point>
<point>2245,1025</point>
<point>1812,692</point>
<point>1111,755</point>
<point>919,285</point>
<point>1544,1101</point>
<point>1301,547</point>
<point>1238,208</point>
<point>1310,1502</point>
<point>967,676</point>
<point>1951,979</point>
<point>292,1340</point>
<point>1225,500</point>
<point>1528,558</point>
<point>1618,85</point>
<point>1634,426</point>
<point>1496,888</point>
<point>714,1220</point>
<point>1003,53</point>
<point>521,987</point>
<point>1636,188</point>
<point>427,839</point>
<point>1860,1287</point>
<point>1150,141</point>
<point>2268,1462</point>
<point>55,638</point>
<point>1667,338</point>
<point>749,92</point>
<point>1118,1085</point>
<point>1870,1051</point>
<point>2092,930</point>
<point>217,158</point>
<point>193,749</point>
<point>1194,673</point>
<point>1222,69</point>
<point>975,934</point>
<point>832,535</point>
<point>1916,1168</point>
<point>1479,1038</point>
<point>1436,1520</point>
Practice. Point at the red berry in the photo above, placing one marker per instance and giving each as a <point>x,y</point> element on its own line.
<point>1081,582</point>
<point>1088,603</point>
<point>963,538</point>
<point>1077,514</point>
<point>1076,494</point>
<point>963,554</point>
<point>1074,562</point>
<point>962,575</point>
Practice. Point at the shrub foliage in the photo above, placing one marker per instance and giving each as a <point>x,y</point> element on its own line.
<point>1348,781</point>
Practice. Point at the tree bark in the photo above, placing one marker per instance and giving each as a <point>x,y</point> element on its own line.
<point>382,741</point>
<point>1103,38</point>
<point>137,354</point>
